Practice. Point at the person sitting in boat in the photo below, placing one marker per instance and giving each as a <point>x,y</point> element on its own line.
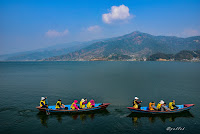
<point>136,103</point>
<point>74,105</point>
<point>172,105</point>
<point>160,104</point>
<point>91,104</point>
<point>43,103</point>
<point>83,102</point>
<point>59,105</point>
<point>165,108</point>
<point>152,106</point>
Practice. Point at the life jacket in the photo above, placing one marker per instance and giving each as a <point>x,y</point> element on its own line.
<point>41,103</point>
<point>150,106</point>
<point>72,106</point>
<point>82,105</point>
<point>171,105</point>
<point>89,105</point>
<point>159,105</point>
<point>135,104</point>
<point>58,104</point>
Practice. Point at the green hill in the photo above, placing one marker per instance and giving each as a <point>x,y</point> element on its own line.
<point>184,55</point>
<point>136,45</point>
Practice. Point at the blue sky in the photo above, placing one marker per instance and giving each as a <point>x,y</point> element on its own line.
<point>32,24</point>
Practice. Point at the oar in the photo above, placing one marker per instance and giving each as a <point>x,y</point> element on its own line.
<point>47,111</point>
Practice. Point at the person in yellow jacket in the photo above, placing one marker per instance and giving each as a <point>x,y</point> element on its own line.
<point>160,104</point>
<point>91,104</point>
<point>83,102</point>
<point>43,102</point>
<point>136,103</point>
<point>59,104</point>
<point>74,105</point>
<point>172,105</point>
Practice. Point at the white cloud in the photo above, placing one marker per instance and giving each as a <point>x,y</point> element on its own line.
<point>54,33</point>
<point>190,32</point>
<point>94,29</point>
<point>117,13</point>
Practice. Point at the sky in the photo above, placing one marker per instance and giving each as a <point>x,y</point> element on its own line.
<point>33,24</point>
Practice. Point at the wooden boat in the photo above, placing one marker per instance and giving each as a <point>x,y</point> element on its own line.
<point>52,109</point>
<point>181,108</point>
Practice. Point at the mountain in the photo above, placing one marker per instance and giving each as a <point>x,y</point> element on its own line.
<point>43,53</point>
<point>187,55</point>
<point>184,55</point>
<point>157,56</point>
<point>136,45</point>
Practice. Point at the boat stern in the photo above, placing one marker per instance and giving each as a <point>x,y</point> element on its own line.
<point>104,105</point>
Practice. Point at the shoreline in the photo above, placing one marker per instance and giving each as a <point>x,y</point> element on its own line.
<point>95,61</point>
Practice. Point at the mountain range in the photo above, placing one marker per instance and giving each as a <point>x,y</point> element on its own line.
<point>135,45</point>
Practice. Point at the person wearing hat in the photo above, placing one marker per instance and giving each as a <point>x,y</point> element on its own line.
<point>136,103</point>
<point>160,104</point>
<point>43,103</point>
<point>59,104</point>
<point>172,105</point>
<point>74,105</point>
<point>83,102</point>
<point>91,104</point>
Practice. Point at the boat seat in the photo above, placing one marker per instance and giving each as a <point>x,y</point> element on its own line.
<point>180,106</point>
<point>144,108</point>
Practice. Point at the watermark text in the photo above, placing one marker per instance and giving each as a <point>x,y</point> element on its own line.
<point>175,129</point>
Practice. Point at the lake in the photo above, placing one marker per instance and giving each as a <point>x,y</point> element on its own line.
<point>22,84</point>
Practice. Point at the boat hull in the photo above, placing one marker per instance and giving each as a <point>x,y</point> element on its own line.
<point>185,108</point>
<point>52,109</point>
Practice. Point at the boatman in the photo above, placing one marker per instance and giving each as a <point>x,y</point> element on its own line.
<point>136,103</point>
<point>172,105</point>
<point>42,102</point>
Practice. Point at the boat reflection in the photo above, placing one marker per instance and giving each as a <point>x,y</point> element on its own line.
<point>75,116</point>
<point>138,117</point>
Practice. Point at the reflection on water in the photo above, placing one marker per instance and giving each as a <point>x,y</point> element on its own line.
<point>136,117</point>
<point>43,118</point>
<point>75,116</point>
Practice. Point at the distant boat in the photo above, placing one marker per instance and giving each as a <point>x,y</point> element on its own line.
<point>181,108</point>
<point>67,109</point>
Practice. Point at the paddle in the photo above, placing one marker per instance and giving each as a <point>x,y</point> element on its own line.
<point>47,111</point>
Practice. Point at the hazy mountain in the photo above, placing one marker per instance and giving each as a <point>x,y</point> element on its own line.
<point>135,45</point>
<point>43,53</point>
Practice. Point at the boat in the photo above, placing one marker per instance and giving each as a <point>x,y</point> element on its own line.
<point>51,109</point>
<point>181,108</point>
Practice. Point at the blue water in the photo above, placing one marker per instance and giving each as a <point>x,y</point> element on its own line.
<point>23,83</point>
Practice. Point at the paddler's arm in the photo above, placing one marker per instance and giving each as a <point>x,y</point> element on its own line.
<point>85,102</point>
<point>75,106</point>
<point>42,104</point>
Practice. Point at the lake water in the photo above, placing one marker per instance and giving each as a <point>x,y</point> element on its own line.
<point>23,83</point>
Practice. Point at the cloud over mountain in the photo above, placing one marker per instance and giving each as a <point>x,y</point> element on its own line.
<point>116,13</point>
